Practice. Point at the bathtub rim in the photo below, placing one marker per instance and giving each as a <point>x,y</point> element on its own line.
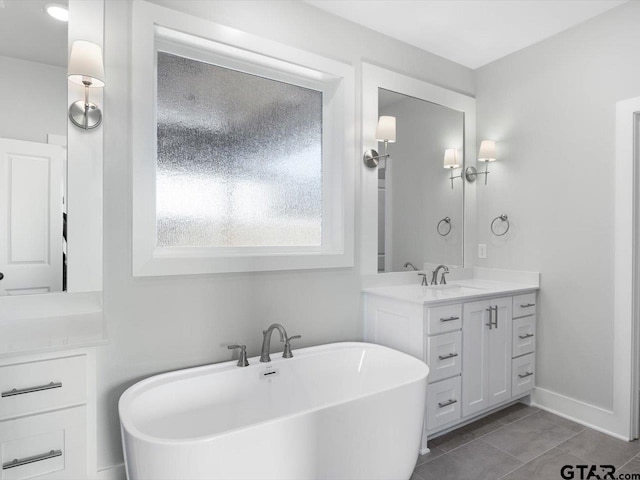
<point>127,424</point>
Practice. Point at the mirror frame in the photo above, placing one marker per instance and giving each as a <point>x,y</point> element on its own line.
<point>373,78</point>
<point>83,298</point>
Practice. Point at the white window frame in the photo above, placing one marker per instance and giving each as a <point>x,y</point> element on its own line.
<point>158,28</point>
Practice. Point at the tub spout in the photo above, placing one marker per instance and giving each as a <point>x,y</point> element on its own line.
<point>266,340</point>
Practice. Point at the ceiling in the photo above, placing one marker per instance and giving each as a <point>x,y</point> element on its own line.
<point>29,33</point>
<point>470,32</point>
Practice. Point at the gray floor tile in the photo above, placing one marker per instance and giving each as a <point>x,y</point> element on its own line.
<point>435,452</point>
<point>476,461</point>
<point>563,422</point>
<point>415,477</point>
<point>513,413</point>
<point>598,448</point>
<point>547,466</point>
<point>466,434</point>
<point>528,438</point>
<point>633,466</point>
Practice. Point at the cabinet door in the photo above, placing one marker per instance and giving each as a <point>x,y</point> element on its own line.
<point>475,346</point>
<point>499,352</point>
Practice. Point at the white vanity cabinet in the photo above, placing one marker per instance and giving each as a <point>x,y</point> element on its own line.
<point>486,327</point>
<point>47,416</point>
<point>480,350</point>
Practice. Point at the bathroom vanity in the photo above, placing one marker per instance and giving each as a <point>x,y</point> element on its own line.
<point>476,336</point>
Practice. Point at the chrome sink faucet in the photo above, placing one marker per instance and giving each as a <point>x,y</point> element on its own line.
<point>443,280</point>
<point>266,340</point>
<point>409,264</point>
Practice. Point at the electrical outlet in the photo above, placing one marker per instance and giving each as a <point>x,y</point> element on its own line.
<point>482,250</point>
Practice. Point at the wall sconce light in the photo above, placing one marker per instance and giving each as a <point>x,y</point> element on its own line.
<point>85,68</point>
<point>385,132</point>
<point>486,154</point>
<point>451,162</point>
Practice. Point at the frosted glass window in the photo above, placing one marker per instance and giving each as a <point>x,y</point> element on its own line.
<point>239,158</point>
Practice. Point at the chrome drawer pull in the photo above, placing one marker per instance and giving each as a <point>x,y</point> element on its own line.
<point>528,374</point>
<point>27,460</point>
<point>528,305</point>
<point>447,403</point>
<point>449,319</point>
<point>526,336</point>
<point>450,355</point>
<point>22,391</point>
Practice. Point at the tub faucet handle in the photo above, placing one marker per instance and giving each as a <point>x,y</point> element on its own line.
<point>242,361</point>
<point>287,346</point>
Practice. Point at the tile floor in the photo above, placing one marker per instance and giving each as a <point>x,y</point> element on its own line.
<point>523,443</point>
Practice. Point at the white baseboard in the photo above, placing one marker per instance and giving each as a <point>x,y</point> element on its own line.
<point>114,472</point>
<point>577,411</point>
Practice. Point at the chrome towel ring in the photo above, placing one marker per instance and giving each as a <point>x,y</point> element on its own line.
<point>446,220</point>
<point>505,219</point>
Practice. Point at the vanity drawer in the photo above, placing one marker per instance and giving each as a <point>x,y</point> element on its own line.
<point>524,336</point>
<point>443,402</point>
<point>43,385</point>
<point>50,446</point>
<point>524,305</point>
<point>523,376</point>
<point>444,355</point>
<point>444,319</point>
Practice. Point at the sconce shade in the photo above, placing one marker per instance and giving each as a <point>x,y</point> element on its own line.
<point>451,158</point>
<point>386,131</point>
<point>85,64</point>
<point>487,151</point>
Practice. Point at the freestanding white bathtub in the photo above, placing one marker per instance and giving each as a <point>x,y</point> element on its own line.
<point>339,411</point>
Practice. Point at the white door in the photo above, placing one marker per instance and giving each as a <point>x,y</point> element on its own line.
<point>31,206</point>
<point>499,353</point>
<point>475,347</point>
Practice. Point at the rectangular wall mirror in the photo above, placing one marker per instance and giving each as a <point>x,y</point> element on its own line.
<point>415,209</point>
<point>420,211</point>
<point>33,148</point>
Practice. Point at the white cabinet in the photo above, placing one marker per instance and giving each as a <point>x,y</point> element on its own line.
<point>480,353</point>
<point>47,416</point>
<point>486,354</point>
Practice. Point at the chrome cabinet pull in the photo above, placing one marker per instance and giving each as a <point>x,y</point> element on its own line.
<point>40,388</point>
<point>450,355</point>
<point>447,403</point>
<point>526,336</point>
<point>449,319</point>
<point>528,374</point>
<point>528,305</point>
<point>492,323</point>
<point>18,462</point>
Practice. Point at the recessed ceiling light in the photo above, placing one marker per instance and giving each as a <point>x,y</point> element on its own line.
<point>58,12</point>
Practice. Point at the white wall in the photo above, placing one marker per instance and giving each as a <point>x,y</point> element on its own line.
<point>159,324</point>
<point>33,100</point>
<point>418,189</point>
<point>551,107</point>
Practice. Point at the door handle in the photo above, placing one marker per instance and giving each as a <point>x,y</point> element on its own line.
<point>528,335</point>
<point>496,320</point>
<point>1,275</point>
<point>490,324</point>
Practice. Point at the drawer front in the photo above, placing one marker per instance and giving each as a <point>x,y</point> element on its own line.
<point>49,446</point>
<point>44,385</point>
<point>444,355</point>
<point>523,374</point>
<point>443,403</point>
<point>524,336</point>
<point>444,319</point>
<point>524,305</point>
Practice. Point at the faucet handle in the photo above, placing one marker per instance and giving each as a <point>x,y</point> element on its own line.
<point>443,279</point>
<point>242,361</point>
<point>425,282</point>
<point>287,346</point>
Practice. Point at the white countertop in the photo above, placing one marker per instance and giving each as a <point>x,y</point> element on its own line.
<point>455,291</point>
<point>36,335</point>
